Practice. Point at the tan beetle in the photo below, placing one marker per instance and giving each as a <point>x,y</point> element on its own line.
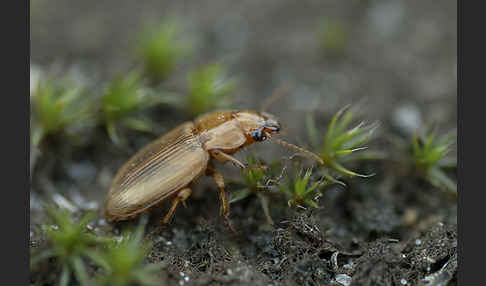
<point>169,165</point>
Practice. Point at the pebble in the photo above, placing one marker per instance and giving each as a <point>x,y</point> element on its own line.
<point>343,279</point>
<point>105,177</point>
<point>386,18</point>
<point>184,278</point>
<point>62,202</point>
<point>82,172</point>
<point>35,202</point>
<point>81,202</point>
<point>407,118</point>
<point>35,76</point>
<point>349,265</point>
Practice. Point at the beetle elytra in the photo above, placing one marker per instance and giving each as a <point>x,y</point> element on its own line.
<point>166,168</point>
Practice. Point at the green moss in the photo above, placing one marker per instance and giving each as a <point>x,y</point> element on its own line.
<point>429,153</point>
<point>340,143</point>
<point>161,51</point>
<point>60,107</point>
<point>122,100</point>
<point>300,192</point>
<point>254,184</point>
<point>70,244</point>
<point>208,89</point>
<point>333,36</point>
<point>123,263</point>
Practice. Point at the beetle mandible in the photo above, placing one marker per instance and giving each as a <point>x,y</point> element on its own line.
<point>166,168</point>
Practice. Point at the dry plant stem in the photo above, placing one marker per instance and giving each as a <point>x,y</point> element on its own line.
<point>266,209</point>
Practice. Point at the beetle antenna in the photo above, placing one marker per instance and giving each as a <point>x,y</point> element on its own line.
<point>275,95</point>
<point>296,148</point>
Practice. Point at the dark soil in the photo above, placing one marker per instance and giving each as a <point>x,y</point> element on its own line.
<point>390,229</point>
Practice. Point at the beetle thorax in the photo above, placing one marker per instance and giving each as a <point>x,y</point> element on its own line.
<point>227,130</point>
<point>249,121</point>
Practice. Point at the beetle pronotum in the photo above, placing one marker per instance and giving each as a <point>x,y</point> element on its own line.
<point>167,167</point>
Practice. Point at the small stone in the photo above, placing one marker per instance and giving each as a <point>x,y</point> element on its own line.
<point>62,202</point>
<point>35,76</point>
<point>82,172</point>
<point>35,202</point>
<point>407,118</point>
<point>418,242</point>
<point>349,265</point>
<point>403,281</point>
<point>410,217</point>
<point>343,279</point>
<point>105,177</point>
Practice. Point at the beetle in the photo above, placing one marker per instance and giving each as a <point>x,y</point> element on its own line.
<point>166,168</point>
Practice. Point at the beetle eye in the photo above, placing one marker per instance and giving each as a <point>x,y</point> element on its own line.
<point>258,135</point>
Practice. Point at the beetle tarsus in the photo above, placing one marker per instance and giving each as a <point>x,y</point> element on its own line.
<point>156,230</point>
<point>229,225</point>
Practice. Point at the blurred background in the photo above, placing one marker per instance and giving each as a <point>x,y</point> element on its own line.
<point>395,54</point>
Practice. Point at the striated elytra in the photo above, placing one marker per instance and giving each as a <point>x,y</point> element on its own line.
<point>166,168</point>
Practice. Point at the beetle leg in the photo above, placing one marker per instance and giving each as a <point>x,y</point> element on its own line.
<point>225,210</point>
<point>181,197</point>
<point>223,157</point>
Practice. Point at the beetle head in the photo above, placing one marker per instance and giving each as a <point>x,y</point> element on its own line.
<point>258,125</point>
<point>268,125</point>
